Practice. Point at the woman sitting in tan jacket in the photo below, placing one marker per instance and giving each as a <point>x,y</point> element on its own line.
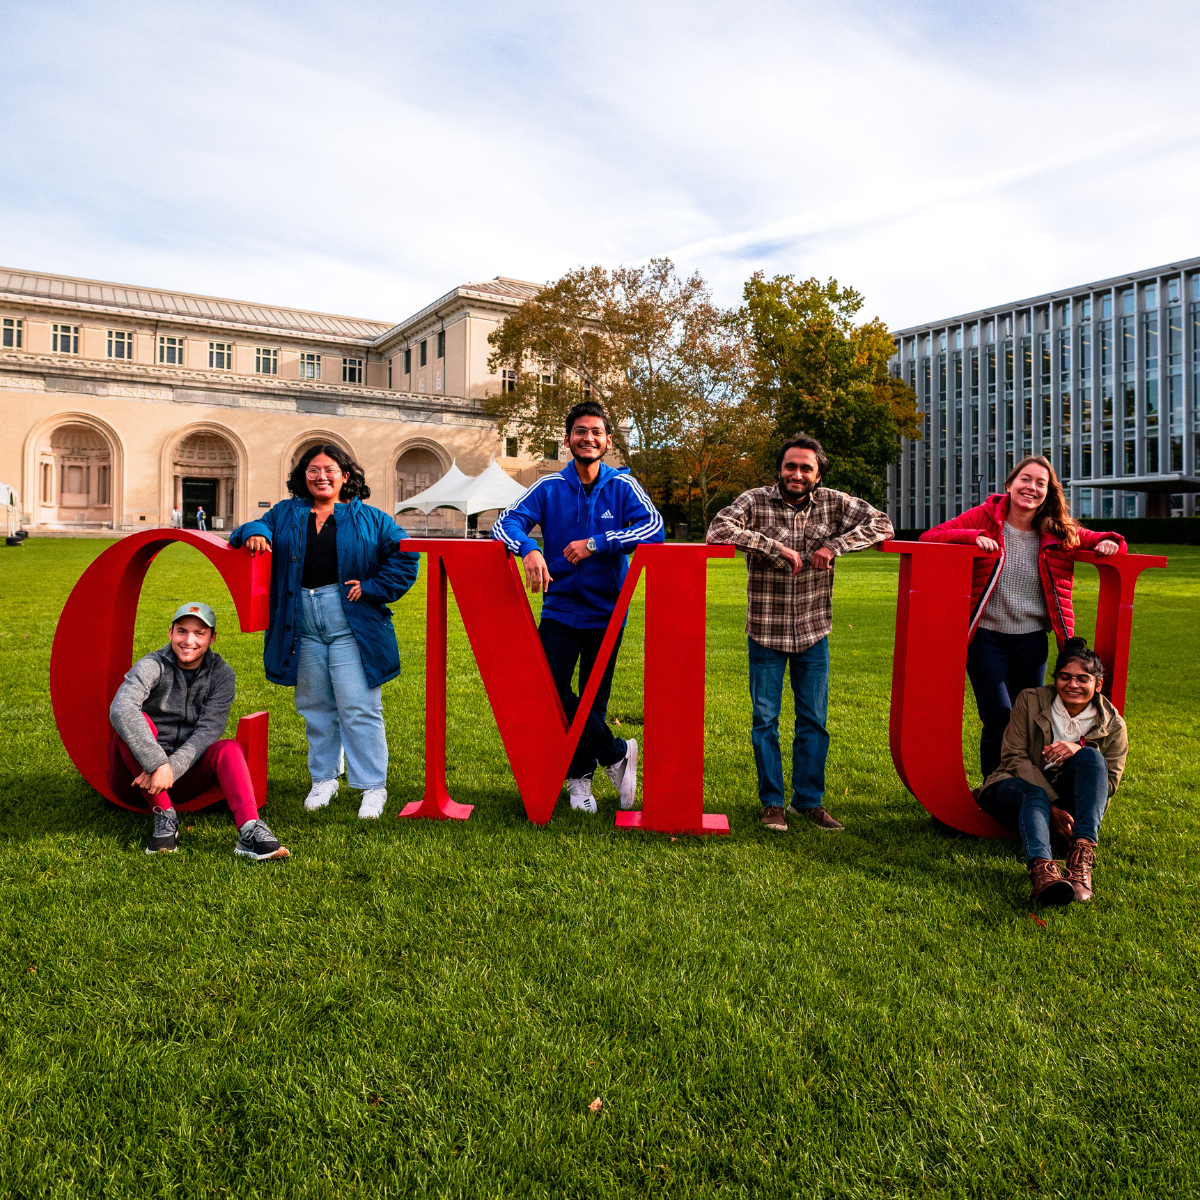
<point>1062,758</point>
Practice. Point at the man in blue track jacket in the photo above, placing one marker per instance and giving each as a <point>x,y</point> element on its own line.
<point>592,516</point>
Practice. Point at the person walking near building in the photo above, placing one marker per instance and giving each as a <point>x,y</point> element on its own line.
<point>1018,597</point>
<point>592,516</point>
<point>167,717</point>
<point>792,533</point>
<point>201,519</point>
<point>1060,765</point>
<point>336,565</point>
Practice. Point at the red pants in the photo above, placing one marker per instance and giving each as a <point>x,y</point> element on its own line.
<point>224,764</point>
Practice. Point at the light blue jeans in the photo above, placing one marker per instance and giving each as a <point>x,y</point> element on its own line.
<point>340,711</point>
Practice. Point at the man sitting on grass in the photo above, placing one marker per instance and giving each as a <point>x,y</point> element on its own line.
<point>168,715</point>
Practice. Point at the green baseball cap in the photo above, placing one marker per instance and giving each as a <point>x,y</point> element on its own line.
<point>195,609</point>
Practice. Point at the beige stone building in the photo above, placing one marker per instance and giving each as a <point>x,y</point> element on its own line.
<point>119,404</point>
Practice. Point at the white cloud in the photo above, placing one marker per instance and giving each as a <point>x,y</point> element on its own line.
<point>366,157</point>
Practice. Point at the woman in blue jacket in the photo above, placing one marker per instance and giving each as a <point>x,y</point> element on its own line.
<point>336,564</point>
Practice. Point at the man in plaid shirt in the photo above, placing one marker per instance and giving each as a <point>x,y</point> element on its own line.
<point>791,534</point>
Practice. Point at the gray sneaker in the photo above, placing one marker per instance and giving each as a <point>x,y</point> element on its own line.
<point>165,838</point>
<point>256,841</point>
<point>624,775</point>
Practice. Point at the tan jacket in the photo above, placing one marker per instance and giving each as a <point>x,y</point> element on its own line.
<point>1029,733</point>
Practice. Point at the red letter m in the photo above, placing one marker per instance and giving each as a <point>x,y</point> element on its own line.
<point>530,717</point>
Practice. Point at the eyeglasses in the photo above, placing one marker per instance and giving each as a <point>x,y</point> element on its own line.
<point>1065,677</point>
<point>328,472</point>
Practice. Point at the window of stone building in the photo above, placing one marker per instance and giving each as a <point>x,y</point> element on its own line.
<point>266,361</point>
<point>120,344</point>
<point>220,356</point>
<point>423,356</point>
<point>441,343</point>
<point>352,370</point>
<point>65,339</point>
<point>550,450</point>
<point>389,372</point>
<point>10,333</point>
<point>508,381</point>
<point>408,362</point>
<point>170,350</point>
<point>510,448</point>
<point>310,366</point>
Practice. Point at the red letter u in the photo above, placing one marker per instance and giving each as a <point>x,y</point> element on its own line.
<point>930,663</point>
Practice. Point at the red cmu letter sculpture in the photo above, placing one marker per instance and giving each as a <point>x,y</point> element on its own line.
<point>930,663</point>
<point>93,648</point>
<point>530,717</point>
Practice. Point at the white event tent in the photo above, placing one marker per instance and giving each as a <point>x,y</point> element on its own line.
<point>469,494</point>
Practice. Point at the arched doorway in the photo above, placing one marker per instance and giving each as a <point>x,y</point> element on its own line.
<point>416,469</point>
<point>74,478</point>
<point>204,472</point>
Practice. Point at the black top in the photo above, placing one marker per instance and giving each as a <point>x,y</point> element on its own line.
<point>320,554</point>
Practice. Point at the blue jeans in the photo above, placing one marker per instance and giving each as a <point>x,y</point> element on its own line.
<point>810,741</point>
<point>1082,787</point>
<point>340,711</point>
<point>564,644</point>
<point>1000,667</point>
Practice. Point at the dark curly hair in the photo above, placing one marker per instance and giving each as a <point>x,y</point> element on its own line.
<point>803,442</point>
<point>1076,650</point>
<point>354,486</point>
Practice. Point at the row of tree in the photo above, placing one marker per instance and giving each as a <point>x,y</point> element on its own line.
<point>702,395</point>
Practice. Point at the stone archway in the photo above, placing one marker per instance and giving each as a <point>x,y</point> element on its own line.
<point>417,468</point>
<point>73,478</point>
<point>204,475</point>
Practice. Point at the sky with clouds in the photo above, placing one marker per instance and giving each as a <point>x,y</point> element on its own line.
<point>366,157</point>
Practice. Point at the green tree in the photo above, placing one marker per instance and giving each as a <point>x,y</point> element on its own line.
<point>613,336</point>
<point>717,433</point>
<point>818,372</point>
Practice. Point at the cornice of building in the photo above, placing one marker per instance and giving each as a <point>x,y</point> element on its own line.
<point>501,294</point>
<point>153,381</point>
<point>1100,285</point>
<point>38,291</point>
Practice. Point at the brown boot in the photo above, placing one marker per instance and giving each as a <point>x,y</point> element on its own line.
<point>1048,885</point>
<point>1080,861</point>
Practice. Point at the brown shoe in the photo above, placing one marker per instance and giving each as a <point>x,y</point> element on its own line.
<point>822,820</point>
<point>1047,884</point>
<point>1080,861</point>
<point>773,818</point>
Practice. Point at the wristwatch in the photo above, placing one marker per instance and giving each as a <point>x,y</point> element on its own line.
<point>591,545</point>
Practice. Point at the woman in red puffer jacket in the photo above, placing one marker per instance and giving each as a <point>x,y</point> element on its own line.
<point>1018,597</point>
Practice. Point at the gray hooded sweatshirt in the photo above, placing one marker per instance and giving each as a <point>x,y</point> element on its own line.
<point>188,719</point>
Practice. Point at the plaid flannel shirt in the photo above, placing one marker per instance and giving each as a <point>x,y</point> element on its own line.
<point>790,612</point>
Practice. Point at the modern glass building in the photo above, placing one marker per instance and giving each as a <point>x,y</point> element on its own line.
<point>1103,379</point>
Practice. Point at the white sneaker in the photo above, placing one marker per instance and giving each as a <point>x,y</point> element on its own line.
<point>372,804</point>
<point>321,794</point>
<point>580,791</point>
<point>624,774</point>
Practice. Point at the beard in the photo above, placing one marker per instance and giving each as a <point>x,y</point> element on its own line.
<point>798,491</point>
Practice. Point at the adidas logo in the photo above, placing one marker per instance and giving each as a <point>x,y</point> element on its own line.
<point>606,515</point>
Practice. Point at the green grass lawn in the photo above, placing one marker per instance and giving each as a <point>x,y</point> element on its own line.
<point>421,1008</point>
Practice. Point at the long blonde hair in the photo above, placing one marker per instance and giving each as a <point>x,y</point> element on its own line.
<point>1054,513</point>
